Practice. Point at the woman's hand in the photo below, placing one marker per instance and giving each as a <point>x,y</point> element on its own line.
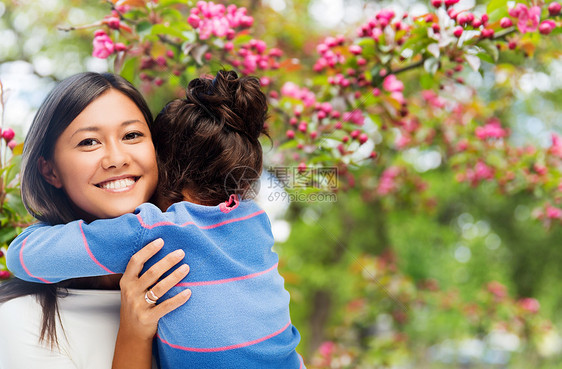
<point>139,316</point>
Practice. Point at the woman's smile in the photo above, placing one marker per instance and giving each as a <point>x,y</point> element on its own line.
<point>106,162</point>
<point>123,184</point>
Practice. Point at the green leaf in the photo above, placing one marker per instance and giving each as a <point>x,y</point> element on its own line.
<point>13,169</point>
<point>7,234</point>
<point>172,15</point>
<point>288,145</point>
<point>172,30</point>
<point>162,4</point>
<point>129,70</point>
<point>327,158</point>
<point>485,57</point>
<point>428,81</point>
<point>496,5</point>
<point>144,28</point>
<point>490,49</point>
<point>496,10</point>
<point>242,39</point>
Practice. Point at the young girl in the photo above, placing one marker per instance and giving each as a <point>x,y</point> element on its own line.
<point>75,324</point>
<point>207,143</point>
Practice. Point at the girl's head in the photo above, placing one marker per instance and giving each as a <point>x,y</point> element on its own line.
<point>208,143</point>
<point>88,153</point>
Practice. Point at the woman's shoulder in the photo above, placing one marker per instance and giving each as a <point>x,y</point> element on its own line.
<point>18,312</point>
<point>90,318</point>
<point>20,319</point>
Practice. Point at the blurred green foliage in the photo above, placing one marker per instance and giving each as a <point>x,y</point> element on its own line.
<point>386,282</point>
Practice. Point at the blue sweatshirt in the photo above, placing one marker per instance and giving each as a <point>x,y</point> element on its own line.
<point>238,314</point>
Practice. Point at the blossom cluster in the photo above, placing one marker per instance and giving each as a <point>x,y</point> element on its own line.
<point>8,135</point>
<point>362,83</point>
<point>493,309</point>
<point>374,28</point>
<point>387,181</point>
<point>212,19</point>
<point>491,130</point>
<point>254,55</point>
<point>104,45</point>
<point>529,18</point>
<point>303,94</point>
<point>329,55</point>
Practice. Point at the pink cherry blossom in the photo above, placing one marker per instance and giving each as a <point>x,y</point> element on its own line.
<point>354,116</point>
<point>292,90</point>
<point>392,84</point>
<point>483,171</point>
<point>120,46</point>
<point>492,129</point>
<point>122,8</point>
<point>528,18</point>
<point>497,289</point>
<point>387,183</point>
<point>217,20</point>
<point>398,96</point>
<point>326,348</point>
<point>506,22</point>
<point>458,31</point>
<point>355,49</point>
<point>402,141</point>
<point>12,144</point>
<point>433,99</point>
<point>556,147</point>
<point>103,45</point>
<point>552,212</point>
<point>8,134</point>
<point>547,26</point>
<point>529,304</point>
<point>554,8</point>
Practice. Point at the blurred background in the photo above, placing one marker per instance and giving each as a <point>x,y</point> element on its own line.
<point>454,276</point>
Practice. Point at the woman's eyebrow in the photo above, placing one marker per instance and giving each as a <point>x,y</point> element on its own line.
<point>97,129</point>
<point>127,122</point>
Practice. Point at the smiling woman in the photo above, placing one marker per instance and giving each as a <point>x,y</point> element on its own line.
<point>88,155</point>
<point>105,162</point>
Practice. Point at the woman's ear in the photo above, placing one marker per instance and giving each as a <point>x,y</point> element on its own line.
<point>48,172</point>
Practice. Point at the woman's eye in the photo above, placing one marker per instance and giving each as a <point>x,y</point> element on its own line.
<point>133,135</point>
<point>88,142</point>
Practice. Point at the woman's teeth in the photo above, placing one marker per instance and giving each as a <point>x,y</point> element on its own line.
<point>118,185</point>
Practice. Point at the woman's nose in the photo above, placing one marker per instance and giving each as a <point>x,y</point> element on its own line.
<point>115,157</point>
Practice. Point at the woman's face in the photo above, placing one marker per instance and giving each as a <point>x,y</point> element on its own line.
<point>105,159</point>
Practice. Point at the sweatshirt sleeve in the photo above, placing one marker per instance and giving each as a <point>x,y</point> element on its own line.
<point>49,254</point>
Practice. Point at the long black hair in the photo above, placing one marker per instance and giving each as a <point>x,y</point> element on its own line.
<point>45,202</point>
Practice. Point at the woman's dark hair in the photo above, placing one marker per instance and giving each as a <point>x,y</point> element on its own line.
<point>45,202</point>
<point>208,142</point>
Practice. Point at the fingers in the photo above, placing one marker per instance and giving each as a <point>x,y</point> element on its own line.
<point>156,271</point>
<point>160,288</point>
<point>170,304</point>
<point>135,265</point>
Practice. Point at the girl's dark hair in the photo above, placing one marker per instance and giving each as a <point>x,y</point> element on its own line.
<point>208,142</point>
<point>45,202</point>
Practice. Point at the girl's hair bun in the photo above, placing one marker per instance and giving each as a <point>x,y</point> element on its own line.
<point>208,142</point>
<point>236,103</point>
